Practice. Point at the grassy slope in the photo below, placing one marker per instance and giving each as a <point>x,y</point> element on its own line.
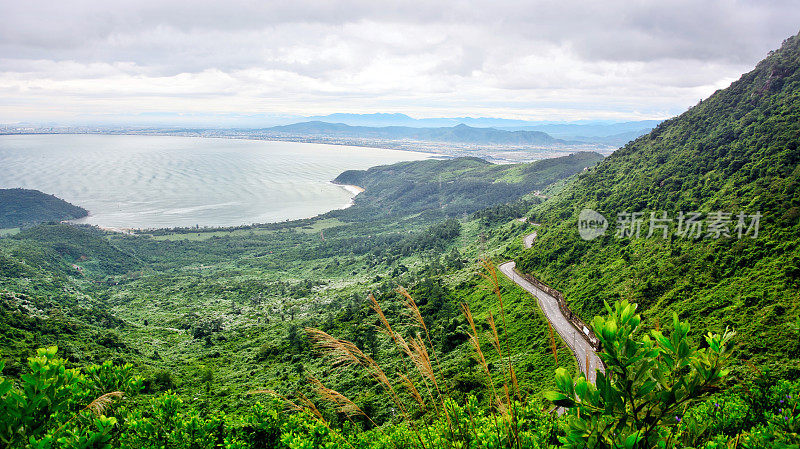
<point>736,151</point>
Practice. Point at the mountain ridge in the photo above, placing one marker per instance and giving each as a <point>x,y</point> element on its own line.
<point>460,133</point>
<point>735,152</point>
<point>22,207</point>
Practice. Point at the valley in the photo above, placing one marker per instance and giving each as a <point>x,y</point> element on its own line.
<point>439,309</point>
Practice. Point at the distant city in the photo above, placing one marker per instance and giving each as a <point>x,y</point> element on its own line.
<point>505,141</point>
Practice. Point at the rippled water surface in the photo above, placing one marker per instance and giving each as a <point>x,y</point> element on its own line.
<point>154,181</point>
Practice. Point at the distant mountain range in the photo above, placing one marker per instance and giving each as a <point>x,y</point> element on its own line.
<point>598,133</point>
<point>613,134</point>
<point>460,133</point>
<point>381,119</point>
<point>586,127</point>
<point>400,127</point>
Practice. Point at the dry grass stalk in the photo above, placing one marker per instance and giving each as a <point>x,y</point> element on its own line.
<point>476,344</point>
<point>587,366</point>
<point>412,390</point>
<point>491,275</point>
<point>495,340</point>
<point>398,339</point>
<point>413,311</point>
<point>342,402</point>
<point>346,353</point>
<point>387,328</point>
<point>411,308</point>
<point>318,416</point>
<point>403,345</point>
<point>99,405</point>
<point>311,408</point>
<point>753,367</point>
<point>506,409</point>
<point>514,382</point>
<point>423,360</point>
<point>286,401</point>
<point>307,406</point>
<point>416,315</point>
<point>553,347</point>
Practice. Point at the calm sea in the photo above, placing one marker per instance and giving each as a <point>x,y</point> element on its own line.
<point>155,181</point>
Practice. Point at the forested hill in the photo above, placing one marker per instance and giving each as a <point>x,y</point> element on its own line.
<point>460,133</point>
<point>20,207</point>
<point>736,152</point>
<point>454,186</point>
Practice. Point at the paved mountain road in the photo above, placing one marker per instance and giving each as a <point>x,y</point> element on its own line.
<point>584,353</point>
<point>528,240</point>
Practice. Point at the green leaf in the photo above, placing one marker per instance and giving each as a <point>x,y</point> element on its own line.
<point>558,399</point>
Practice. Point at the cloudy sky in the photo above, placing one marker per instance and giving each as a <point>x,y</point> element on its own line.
<point>106,61</point>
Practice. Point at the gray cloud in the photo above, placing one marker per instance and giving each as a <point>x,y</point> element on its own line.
<point>536,59</point>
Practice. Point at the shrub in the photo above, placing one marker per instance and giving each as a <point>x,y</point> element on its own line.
<point>59,407</point>
<point>639,399</point>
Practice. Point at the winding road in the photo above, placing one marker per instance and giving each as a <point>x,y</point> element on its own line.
<point>584,353</point>
<point>528,240</point>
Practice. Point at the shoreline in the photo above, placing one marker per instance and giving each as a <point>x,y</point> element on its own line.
<point>354,190</point>
<point>119,230</point>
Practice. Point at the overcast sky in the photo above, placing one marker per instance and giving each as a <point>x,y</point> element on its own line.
<point>104,60</point>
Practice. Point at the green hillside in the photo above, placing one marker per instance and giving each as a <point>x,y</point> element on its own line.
<point>23,207</point>
<point>735,152</point>
<point>455,186</point>
<point>386,325</point>
<point>180,301</point>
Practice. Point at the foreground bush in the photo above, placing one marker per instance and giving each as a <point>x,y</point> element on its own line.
<point>59,407</point>
<point>648,383</point>
<point>659,391</point>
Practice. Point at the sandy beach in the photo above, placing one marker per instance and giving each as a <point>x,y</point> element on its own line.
<point>353,189</point>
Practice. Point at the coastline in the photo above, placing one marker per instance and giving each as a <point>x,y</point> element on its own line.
<point>128,231</point>
<point>120,217</point>
<point>354,190</point>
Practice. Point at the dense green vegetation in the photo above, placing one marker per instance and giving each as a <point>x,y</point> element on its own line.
<point>454,187</point>
<point>213,314</point>
<point>386,324</point>
<point>734,152</point>
<point>652,400</point>
<point>647,385</point>
<point>23,207</point>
